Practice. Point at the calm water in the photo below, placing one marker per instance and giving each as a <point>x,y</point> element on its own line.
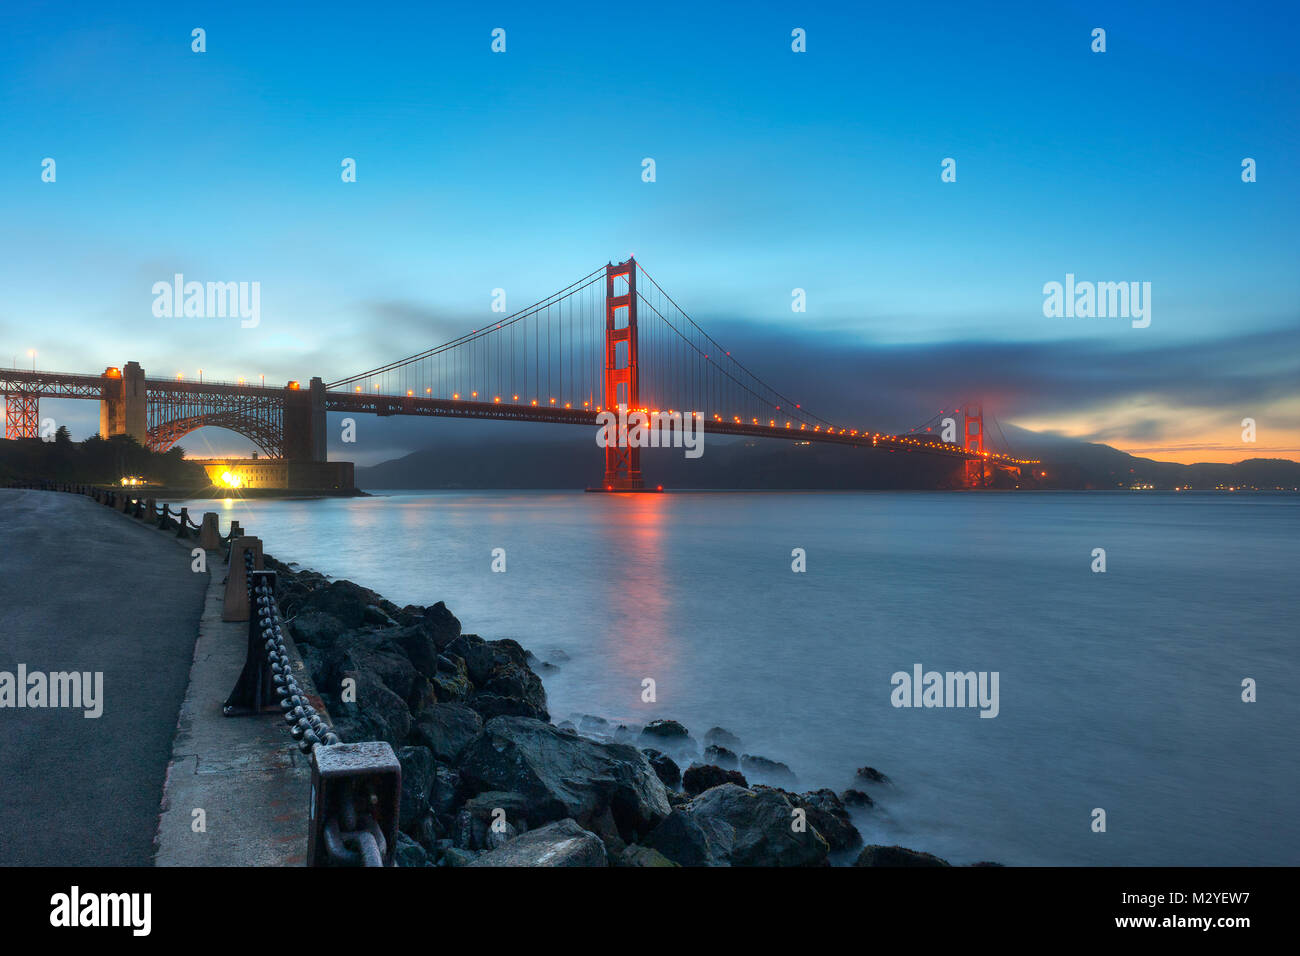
<point>1118,690</point>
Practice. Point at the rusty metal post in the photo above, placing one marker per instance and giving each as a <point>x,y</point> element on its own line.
<point>235,607</point>
<point>355,792</point>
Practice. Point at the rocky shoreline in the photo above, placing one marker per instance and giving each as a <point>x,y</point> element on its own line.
<point>488,780</point>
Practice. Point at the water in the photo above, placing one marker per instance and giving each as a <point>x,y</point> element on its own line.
<point>1119,690</point>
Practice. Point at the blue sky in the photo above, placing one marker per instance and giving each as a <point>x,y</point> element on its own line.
<point>775,170</point>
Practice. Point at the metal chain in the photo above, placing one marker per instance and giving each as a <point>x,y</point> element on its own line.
<point>305,724</point>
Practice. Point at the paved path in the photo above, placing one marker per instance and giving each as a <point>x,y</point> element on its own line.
<point>85,588</point>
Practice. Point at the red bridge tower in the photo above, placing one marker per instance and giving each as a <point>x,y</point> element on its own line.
<point>622,464</point>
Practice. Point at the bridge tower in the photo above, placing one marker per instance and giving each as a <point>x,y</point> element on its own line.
<point>973,440</point>
<point>123,410</point>
<point>622,464</point>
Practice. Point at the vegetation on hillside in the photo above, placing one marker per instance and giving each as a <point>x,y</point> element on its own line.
<point>95,461</point>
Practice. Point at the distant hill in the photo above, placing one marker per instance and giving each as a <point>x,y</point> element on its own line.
<point>570,459</point>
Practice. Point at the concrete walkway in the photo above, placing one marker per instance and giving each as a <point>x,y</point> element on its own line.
<point>84,588</point>
<point>245,774</point>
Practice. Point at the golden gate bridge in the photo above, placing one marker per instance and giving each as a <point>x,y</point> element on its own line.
<point>612,340</point>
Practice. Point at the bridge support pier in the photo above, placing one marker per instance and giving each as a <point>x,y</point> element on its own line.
<point>304,422</point>
<point>22,414</point>
<point>123,410</point>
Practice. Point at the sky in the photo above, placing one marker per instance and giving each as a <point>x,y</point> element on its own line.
<point>774,170</point>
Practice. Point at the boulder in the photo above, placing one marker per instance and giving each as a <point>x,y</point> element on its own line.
<point>856,798</point>
<point>564,775</point>
<point>828,814</point>
<point>409,853</point>
<point>417,784</point>
<point>723,738</point>
<point>447,729</point>
<point>663,766</point>
<point>377,713</point>
<point>700,777</point>
<point>871,775</point>
<point>451,682</point>
<point>877,855</point>
<point>733,826</point>
<point>665,730</point>
<point>721,757</point>
<point>771,771</point>
<point>562,843</point>
<point>316,628</point>
<point>440,624</point>
<point>642,856</point>
<point>418,647</point>
<point>445,790</point>
<point>343,600</point>
<point>511,691</point>
<point>513,805</point>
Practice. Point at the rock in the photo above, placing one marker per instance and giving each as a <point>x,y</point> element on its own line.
<point>408,852</point>
<point>664,767</point>
<point>418,647</point>
<point>447,729</point>
<point>856,798</point>
<point>567,725</point>
<point>444,790</point>
<point>477,655</point>
<point>316,628</point>
<point>986,863</point>
<point>427,833</point>
<point>723,738</point>
<point>343,600</point>
<point>377,714</point>
<point>871,775</point>
<point>769,770</point>
<point>455,856</point>
<point>591,724</point>
<point>451,682</point>
<point>877,855</point>
<point>700,777</point>
<point>721,757</point>
<point>374,614</point>
<point>562,843</point>
<point>733,826</point>
<point>665,730</point>
<point>440,624</point>
<point>512,691</point>
<point>513,805</point>
<point>642,856</point>
<point>564,775</point>
<point>828,814</point>
<point>417,783</point>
